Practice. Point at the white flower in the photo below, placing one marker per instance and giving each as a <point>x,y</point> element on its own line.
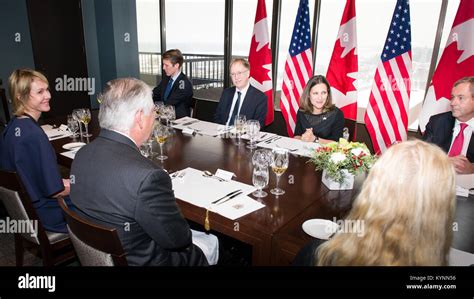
<point>358,150</point>
<point>337,158</point>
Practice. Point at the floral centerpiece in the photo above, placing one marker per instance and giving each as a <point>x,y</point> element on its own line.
<point>338,159</point>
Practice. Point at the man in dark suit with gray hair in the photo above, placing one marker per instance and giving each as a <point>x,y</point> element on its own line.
<point>115,186</point>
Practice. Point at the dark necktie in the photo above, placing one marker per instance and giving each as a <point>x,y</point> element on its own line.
<point>458,142</point>
<point>236,109</point>
<point>168,89</point>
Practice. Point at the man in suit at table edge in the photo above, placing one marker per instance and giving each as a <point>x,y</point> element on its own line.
<point>115,186</point>
<point>174,88</point>
<point>242,98</point>
<point>452,130</point>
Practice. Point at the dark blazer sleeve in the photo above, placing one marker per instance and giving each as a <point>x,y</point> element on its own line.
<point>222,112</point>
<point>157,92</point>
<point>158,214</point>
<point>439,130</point>
<point>299,128</point>
<point>181,93</point>
<point>338,126</point>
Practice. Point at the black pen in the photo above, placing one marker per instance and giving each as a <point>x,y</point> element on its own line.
<point>227,195</point>
<point>230,197</point>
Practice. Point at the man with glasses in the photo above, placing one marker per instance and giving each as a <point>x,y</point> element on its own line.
<point>242,98</point>
<point>175,88</point>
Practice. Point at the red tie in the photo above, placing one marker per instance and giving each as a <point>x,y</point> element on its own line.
<point>456,148</point>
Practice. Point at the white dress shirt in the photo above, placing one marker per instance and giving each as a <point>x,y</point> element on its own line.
<point>243,92</point>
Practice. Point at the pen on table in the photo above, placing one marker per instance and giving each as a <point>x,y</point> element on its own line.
<point>230,197</point>
<point>55,136</point>
<point>227,195</point>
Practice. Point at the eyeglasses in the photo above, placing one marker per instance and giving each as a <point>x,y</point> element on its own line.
<point>238,74</point>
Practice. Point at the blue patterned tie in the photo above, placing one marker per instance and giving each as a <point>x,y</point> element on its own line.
<point>236,109</point>
<point>168,89</point>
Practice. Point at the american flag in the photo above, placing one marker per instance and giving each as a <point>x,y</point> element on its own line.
<point>298,67</point>
<point>386,117</point>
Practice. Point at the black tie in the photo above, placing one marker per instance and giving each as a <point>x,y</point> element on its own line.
<point>236,109</point>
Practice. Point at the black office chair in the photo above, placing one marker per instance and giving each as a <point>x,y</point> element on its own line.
<point>351,126</point>
<point>55,248</point>
<point>95,245</point>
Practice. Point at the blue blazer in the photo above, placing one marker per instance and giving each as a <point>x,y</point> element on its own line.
<point>439,131</point>
<point>253,107</point>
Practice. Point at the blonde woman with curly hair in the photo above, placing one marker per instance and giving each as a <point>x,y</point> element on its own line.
<point>407,206</point>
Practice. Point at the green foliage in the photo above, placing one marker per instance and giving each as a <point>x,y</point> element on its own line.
<point>335,156</point>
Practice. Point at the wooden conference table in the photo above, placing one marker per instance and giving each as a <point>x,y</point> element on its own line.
<point>274,232</point>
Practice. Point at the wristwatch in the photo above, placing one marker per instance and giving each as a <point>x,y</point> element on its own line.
<point>316,139</point>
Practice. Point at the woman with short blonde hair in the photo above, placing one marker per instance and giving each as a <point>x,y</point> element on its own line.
<point>26,150</point>
<point>19,84</point>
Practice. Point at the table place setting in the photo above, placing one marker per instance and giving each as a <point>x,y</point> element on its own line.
<point>203,189</point>
<point>294,146</point>
<point>191,126</point>
<point>72,148</point>
<point>262,136</point>
<point>54,133</point>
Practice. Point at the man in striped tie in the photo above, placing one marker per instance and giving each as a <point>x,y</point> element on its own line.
<point>452,130</point>
<point>175,88</point>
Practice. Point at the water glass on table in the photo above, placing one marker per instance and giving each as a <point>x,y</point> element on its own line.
<point>260,180</point>
<point>253,130</point>
<point>72,126</point>
<point>239,123</point>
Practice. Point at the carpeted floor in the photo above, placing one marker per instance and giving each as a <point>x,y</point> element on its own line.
<point>7,253</point>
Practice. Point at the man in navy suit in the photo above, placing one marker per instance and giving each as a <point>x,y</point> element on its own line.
<point>175,88</point>
<point>242,98</point>
<point>444,129</point>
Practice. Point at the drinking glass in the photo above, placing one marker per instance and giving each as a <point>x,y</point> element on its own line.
<point>161,134</point>
<point>239,124</point>
<point>262,157</point>
<point>85,119</point>
<point>279,165</point>
<point>260,180</point>
<point>76,114</point>
<point>170,114</point>
<point>253,130</point>
<point>159,107</point>
<point>73,126</point>
<point>146,148</point>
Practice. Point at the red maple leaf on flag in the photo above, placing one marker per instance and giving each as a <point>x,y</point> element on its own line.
<point>260,58</point>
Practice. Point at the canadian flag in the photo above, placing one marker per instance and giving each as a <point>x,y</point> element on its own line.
<point>342,71</point>
<point>456,62</point>
<point>260,58</point>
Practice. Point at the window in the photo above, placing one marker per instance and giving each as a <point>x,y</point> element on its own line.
<point>243,23</point>
<point>197,29</point>
<point>148,27</point>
